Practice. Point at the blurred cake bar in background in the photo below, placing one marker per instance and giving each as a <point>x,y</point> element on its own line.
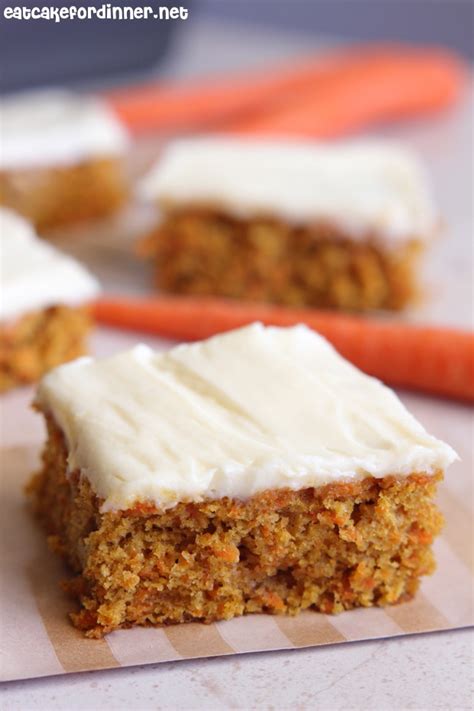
<point>257,471</point>
<point>326,225</point>
<point>62,157</point>
<point>44,318</point>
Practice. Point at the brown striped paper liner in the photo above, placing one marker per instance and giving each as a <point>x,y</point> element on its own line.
<point>38,639</point>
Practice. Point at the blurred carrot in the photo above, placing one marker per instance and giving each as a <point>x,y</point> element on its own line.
<point>433,360</point>
<point>386,86</point>
<point>207,102</point>
<point>247,101</point>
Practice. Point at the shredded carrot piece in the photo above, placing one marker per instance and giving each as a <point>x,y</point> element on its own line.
<point>228,553</point>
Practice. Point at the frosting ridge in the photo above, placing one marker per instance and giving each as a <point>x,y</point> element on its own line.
<point>57,127</point>
<point>367,188</point>
<point>254,409</point>
<point>35,275</point>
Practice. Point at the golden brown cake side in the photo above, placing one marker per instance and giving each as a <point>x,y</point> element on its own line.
<point>207,252</point>
<point>34,343</point>
<point>330,548</point>
<point>55,196</point>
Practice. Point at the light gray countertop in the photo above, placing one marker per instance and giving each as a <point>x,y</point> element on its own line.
<point>424,672</point>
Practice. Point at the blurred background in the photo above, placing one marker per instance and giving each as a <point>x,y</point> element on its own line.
<point>224,36</point>
<point>218,35</point>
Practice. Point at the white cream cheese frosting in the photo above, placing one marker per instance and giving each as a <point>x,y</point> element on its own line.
<point>34,275</point>
<point>257,408</point>
<point>56,127</point>
<point>367,188</point>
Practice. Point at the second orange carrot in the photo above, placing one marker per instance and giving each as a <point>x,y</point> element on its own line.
<point>433,360</point>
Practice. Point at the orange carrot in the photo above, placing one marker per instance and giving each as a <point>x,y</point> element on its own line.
<point>181,107</point>
<point>406,81</point>
<point>434,360</point>
<point>378,88</point>
<point>178,107</point>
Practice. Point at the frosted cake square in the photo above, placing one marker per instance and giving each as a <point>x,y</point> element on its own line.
<point>307,224</point>
<point>44,317</point>
<point>257,471</point>
<point>62,158</point>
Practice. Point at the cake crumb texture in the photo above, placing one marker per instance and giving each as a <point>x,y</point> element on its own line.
<point>40,340</point>
<point>56,196</point>
<point>207,252</point>
<point>332,548</point>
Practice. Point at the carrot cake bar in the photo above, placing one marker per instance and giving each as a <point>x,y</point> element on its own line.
<point>43,295</point>
<point>257,471</point>
<point>293,223</point>
<point>62,157</point>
